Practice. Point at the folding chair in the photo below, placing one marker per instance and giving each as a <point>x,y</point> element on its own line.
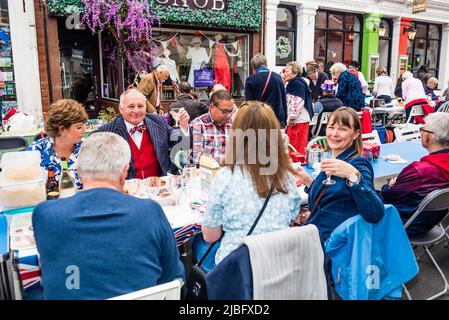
<point>437,200</point>
<point>444,107</point>
<point>320,141</point>
<point>313,122</point>
<point>323,118</point>
<point>416,111</point>
<point>408,132</point>
<point>371,137</point>
<point>167,291</point>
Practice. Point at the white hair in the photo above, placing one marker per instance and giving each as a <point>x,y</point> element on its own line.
<point>432,80</point>
<point>161,68</point>
<point>406,75</point>
<point>438,123</point>
<point>103,156</point>
<point>124,94</point>
<point>338,67</point>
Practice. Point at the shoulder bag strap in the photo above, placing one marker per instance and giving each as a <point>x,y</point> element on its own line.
<point>260,215</point>
<point>266,85</point>
<point>317,201</point>
<point>250,231</point>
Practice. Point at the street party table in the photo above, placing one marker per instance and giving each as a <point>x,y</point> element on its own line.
<point>384,169</point>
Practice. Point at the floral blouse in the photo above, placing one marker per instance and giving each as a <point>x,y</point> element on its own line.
<point>234,204</point>
<point>49,157</point>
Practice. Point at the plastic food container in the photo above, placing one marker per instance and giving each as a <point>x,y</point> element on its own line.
<point>22,165</point>
<point>21,232</point>
<point>21,194</point>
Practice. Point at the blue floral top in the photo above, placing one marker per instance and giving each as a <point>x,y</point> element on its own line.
<point>49,157</point>
<point>234,204</point>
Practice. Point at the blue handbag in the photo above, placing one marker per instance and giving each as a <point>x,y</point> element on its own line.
<point>203,77</point>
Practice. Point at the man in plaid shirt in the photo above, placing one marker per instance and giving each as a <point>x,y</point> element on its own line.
<point>210,131</point>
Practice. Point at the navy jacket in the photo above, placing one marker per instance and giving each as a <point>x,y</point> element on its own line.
<point>274,95</point>
<point>161,137</point>
<point>298,87</point>
<point>113,243</point>
<point>340,201</point>
<point>235,271</point>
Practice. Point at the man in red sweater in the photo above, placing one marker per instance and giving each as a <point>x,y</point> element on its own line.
<point>149,136</point>
<point>420,178</point>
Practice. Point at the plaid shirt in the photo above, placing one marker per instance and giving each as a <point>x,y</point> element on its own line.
<point>209,138</point>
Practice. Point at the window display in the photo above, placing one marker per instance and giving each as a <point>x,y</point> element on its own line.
<point>8,98</point>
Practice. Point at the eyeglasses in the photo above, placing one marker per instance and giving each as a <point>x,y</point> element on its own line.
<point>421,129</point>
<point>226,112</point>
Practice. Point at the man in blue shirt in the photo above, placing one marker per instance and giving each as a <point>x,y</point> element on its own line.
<point>268,87</point>
<point>101,243</point>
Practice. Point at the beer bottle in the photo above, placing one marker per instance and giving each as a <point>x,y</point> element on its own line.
<point>52,185</point>
<point>66,186</point>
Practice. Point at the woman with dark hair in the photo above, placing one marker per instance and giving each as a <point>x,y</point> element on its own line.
<point>353,192</point>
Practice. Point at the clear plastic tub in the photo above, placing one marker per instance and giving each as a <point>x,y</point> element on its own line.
<point>22,165</point>
<point>21,194</point>
<point>21,232</point>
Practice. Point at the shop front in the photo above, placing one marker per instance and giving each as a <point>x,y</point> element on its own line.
<point>374,33</point>
<point>202,42</point>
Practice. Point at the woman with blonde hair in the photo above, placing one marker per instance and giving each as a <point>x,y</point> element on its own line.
<point>299,107</point>
<point>383,85</point>
<point>65,128</point>
<point>241,188</point>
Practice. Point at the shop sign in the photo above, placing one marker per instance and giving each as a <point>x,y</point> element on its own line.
<point>419,6</point>
<point>77,54</point>
<point>217,5</point>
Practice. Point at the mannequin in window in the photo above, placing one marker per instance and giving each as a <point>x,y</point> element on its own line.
<point>197,55</point>
<point>170,63</point>
<point>222,70</point>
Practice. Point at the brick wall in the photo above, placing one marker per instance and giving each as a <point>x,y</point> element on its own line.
<point>49,68</point>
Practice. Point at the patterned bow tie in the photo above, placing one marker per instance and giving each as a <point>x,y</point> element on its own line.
<point>140,128</point>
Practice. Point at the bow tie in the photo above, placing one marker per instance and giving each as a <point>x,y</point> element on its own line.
<point>140,128</point>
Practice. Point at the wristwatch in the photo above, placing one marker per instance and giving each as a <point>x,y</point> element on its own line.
<point>354,178</point>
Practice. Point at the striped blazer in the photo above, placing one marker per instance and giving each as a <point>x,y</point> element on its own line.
<point>160,133</point>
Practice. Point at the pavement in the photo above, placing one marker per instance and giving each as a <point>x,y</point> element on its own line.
<point>428,281</point>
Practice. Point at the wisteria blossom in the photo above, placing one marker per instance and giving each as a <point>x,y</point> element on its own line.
<point>130,21</point>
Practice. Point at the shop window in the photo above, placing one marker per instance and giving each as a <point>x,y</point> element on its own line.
<point>8,93</point>
<point>385,45</point>
<point>111,67</point>
<point>338,37</point>
<point>424,50</point>
<point>285,35</point>
<point>203,58</point>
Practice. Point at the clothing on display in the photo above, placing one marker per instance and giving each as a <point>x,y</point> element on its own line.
<point>222,70</point>
<point>198,56</point>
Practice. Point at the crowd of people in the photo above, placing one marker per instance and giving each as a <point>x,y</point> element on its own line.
<point>100,225</point>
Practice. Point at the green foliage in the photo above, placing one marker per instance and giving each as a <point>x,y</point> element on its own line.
<point>240,14</point>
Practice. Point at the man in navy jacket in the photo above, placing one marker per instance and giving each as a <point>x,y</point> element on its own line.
<point>274,94</point>
<point>101,243</point>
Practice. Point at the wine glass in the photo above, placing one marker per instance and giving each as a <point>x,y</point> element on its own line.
<point>175,115</point>
<point>329,181</point>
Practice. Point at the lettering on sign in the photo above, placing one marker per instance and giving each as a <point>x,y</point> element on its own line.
<point>419,6</point>
<point>217,5</point>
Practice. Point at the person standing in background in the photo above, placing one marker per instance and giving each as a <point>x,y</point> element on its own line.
<point>267,86</point>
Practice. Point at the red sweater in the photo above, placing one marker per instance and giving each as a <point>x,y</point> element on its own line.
<point>145,158</point>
